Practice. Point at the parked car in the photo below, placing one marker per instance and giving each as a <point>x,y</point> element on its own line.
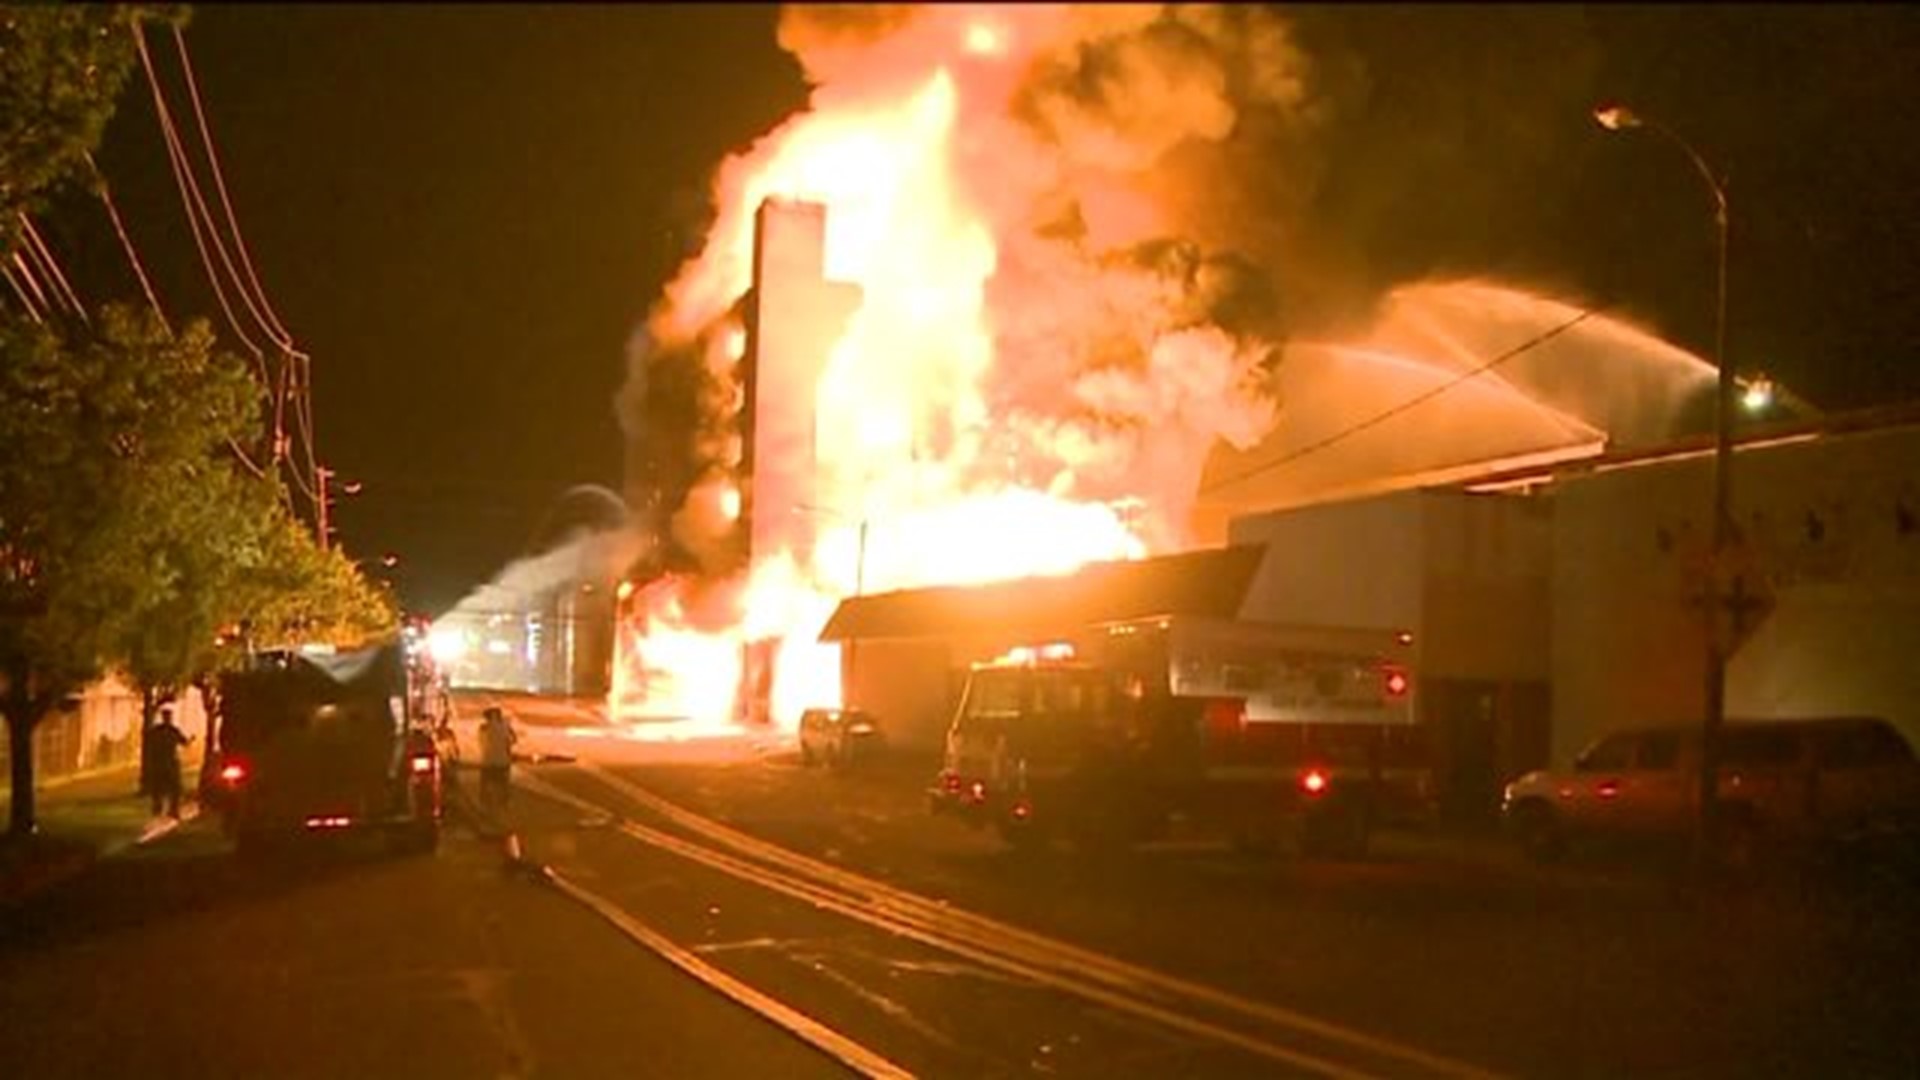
<point>1808,782</point>
<point>839,737</point>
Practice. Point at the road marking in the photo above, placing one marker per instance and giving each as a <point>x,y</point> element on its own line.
<point>820,1036</point>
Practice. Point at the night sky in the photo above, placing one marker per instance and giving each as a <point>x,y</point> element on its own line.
<point>463,212</point>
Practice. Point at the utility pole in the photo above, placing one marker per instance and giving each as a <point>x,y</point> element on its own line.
<point>323,479</point>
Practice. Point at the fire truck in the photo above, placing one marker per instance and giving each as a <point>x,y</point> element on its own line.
<point>1261,732</point>
<point>316,743</point>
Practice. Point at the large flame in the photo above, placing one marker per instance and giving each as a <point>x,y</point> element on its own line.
<point>1033,376</point>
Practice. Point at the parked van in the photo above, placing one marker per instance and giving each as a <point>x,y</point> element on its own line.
<point>1805,781</point>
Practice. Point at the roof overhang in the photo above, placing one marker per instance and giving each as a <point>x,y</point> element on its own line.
<point>1211,583</point>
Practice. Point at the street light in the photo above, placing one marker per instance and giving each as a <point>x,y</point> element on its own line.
<point>1616,117</point>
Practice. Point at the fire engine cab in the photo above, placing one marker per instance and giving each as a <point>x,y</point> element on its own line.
<point>1253,730</point>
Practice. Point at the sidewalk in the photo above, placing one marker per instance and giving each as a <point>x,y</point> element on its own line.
<point>80,820</point>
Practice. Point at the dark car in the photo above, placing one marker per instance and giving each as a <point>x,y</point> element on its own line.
<point>839,737</point>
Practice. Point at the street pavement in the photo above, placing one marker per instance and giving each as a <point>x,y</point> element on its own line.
<point>173,957</point>
<point>462,964</point>
<point>81,819</point>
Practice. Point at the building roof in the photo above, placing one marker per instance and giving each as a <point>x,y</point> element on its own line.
<point>1211,583</point>
<point>1757,436</point>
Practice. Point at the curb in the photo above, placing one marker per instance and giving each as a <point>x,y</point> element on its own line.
<point>35,878</point>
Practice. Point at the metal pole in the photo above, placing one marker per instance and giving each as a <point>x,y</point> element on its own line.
<point>859,587</point>
<point>1719,633</point>
<point>860,562</point>
<point>1719,628</point>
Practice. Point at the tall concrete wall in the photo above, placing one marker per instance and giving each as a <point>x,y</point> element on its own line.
<point>796,316</point>
<point>1832,529</point>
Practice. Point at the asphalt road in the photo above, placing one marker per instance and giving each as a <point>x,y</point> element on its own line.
<point>715,909</point>
<point>176,959</point>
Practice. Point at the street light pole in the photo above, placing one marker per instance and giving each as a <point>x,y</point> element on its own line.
<point>1621,118</point>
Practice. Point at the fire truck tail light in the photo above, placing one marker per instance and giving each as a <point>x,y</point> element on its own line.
<point>1395,681</point>
<point>1226,716</point>
<point>233,772</point>
<point>1314,782</point>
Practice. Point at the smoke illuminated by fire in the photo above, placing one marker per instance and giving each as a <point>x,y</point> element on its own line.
<point>1039,362</point>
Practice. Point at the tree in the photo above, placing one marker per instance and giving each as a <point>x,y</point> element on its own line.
<point>62,67</point>
<point>229,555</point>
<point>103,436</point>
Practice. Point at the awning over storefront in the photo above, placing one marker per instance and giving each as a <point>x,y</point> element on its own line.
<point>1211,583</point>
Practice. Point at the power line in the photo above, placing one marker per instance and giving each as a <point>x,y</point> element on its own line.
<point>25,273</point>
<point>293,380</point>
<point>1419,399</point>
<point>62,288</point>
<point>20,290</point>
<point>272,321</point>
<point>126,241</point>
<point>190,197</point>
<point>241,453</point>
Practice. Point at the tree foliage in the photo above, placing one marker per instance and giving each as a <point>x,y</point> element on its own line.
<point>131,532</point>
<point>62,68</point>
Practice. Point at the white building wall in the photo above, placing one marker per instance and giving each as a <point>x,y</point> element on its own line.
<point>1356,563</point>
<point>1825,519</point>
<point>1486,587</point>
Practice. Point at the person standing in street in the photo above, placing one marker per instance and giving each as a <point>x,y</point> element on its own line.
<point>162,752</point>
<point>497,739</point>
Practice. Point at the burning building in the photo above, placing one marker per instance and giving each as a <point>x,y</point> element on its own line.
<point>1006,300</point>
<point>939,338</point>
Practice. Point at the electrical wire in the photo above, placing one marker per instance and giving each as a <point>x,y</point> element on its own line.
<point>190,196</point>
<point>1418,399</point>
<point>271,321</point>
<point>315,489</point>
<point>61,286</point>
<point>126,241</point>
<point>26,274</point>
<point>21,292</point>
<point>241,453</point>
<point>304,414</point>
<point>244,278</point>
<point>280,392</point>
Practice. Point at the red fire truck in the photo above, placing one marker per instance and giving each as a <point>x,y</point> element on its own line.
<point>320,743</point>
<point>1255,730</point>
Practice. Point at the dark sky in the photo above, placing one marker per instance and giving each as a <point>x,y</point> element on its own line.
<point>461,212</point>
